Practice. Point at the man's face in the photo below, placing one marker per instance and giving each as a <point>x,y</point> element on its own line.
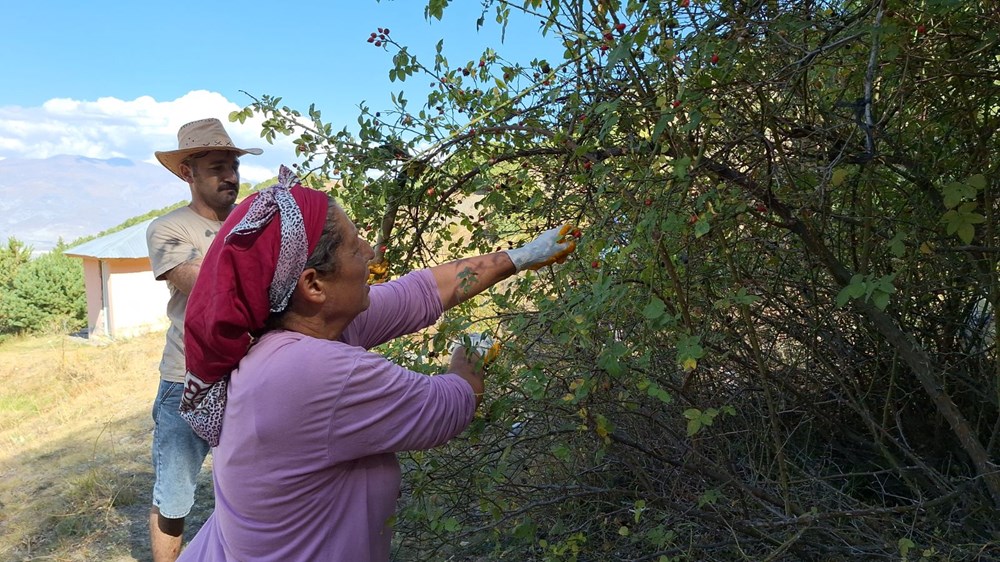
<point>214,179</point>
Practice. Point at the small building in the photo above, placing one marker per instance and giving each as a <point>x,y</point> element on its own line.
<point>123,297</point>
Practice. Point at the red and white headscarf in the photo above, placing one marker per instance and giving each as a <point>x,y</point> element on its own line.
<point>249,271</point>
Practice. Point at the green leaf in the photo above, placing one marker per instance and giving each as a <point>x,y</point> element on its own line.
<point>681,166</point>
<point>710,497</point>
<point>838,176</point>
<point>693,427</point>
<point>905,545</point>
<point>435,9</point>
<point>966,232</point>
<point>654,309</point>
<point>978,181</point>
<point>842,297</point>
<point>880,300</point>
<point>654,391</point>
<point>896,245</point>
<point>702,226</point>
<point>960,221</point>
<point>956,192</point>
<point>661,124</point>
<point>618,53</point>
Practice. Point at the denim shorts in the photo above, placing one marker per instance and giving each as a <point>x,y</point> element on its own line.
<point>178,454</point>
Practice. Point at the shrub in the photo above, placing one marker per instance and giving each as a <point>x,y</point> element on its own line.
<point>45,294</point>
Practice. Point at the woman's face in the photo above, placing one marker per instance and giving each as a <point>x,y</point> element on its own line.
<point>351,274</point>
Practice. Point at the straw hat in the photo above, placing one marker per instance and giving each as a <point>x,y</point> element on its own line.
<point>199,136</point>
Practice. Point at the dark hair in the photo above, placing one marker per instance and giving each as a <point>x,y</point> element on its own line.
<point>322,259</point>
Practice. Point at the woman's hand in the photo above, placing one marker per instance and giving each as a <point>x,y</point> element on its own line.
<point>551,246</point>
<point>469,358</point>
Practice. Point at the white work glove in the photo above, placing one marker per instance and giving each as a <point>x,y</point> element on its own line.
<point>551,246</point>
<point>480,344</point>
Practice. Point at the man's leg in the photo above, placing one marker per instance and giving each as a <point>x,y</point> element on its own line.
<point>165,536</point>
<point>177,455</point>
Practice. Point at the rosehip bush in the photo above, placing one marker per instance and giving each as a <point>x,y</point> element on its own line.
<point>776,337</point>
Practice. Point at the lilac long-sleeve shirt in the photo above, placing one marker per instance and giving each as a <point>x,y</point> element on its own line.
<point>306,466</point>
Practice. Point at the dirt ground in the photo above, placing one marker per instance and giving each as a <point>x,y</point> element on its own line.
<point>75,433</point>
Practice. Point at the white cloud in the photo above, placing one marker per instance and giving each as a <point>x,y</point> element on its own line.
<point>133,129</point>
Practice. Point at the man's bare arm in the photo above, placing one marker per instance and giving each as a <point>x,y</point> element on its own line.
<point>184,275</point>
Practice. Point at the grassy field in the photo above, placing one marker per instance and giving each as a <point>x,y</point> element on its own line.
<point>75,431</point>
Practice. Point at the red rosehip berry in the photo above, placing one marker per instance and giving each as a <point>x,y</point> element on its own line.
<point>382,248</point>
<point>715,58</point>
<point>648,202</point>
<point>677,103</point>
<point>587,165</point>
<point>620,27</point>
<point>921,29</point>
<point>595,264</point>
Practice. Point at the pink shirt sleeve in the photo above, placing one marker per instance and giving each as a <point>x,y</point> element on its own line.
<point>384,408</point>
<point>399,307</point>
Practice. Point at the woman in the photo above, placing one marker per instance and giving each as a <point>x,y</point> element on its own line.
<point>304,462</point>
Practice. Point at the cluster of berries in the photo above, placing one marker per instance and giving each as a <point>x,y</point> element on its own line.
<point>379,36</point>
<point>609,36</point>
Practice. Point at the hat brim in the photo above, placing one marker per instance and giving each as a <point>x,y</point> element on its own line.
<point>171,159</point>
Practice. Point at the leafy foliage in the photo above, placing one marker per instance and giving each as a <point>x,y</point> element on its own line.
<point>46,293</point>
<point>763,348</point>
<point>12,258</point>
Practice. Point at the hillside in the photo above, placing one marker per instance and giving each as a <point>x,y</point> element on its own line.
<point>68,197</point>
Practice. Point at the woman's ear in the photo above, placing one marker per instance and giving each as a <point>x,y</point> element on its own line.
<point>310,286</point>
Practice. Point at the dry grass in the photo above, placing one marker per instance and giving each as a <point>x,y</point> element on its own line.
<point>75,430</point>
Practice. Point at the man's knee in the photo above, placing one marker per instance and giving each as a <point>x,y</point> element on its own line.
<point>167,526</point>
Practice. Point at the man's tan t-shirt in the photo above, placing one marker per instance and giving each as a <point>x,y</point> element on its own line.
<point>177,237</point>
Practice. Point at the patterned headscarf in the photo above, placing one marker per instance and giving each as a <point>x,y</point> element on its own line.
<point>250,271</point>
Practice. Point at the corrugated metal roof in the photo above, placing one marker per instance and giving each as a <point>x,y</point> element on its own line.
<point>126,243</point>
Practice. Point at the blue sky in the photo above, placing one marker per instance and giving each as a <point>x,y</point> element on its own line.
<point>116,79</point>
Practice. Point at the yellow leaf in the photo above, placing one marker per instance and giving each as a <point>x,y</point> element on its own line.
<point>690,364</point>
<point>925,248</point>
<point>568,398</point>
<point>838,176</point>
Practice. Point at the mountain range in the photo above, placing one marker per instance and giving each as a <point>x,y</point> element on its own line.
<point>67,197</point>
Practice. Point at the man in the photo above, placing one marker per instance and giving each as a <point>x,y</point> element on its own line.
<point>208,161</point>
